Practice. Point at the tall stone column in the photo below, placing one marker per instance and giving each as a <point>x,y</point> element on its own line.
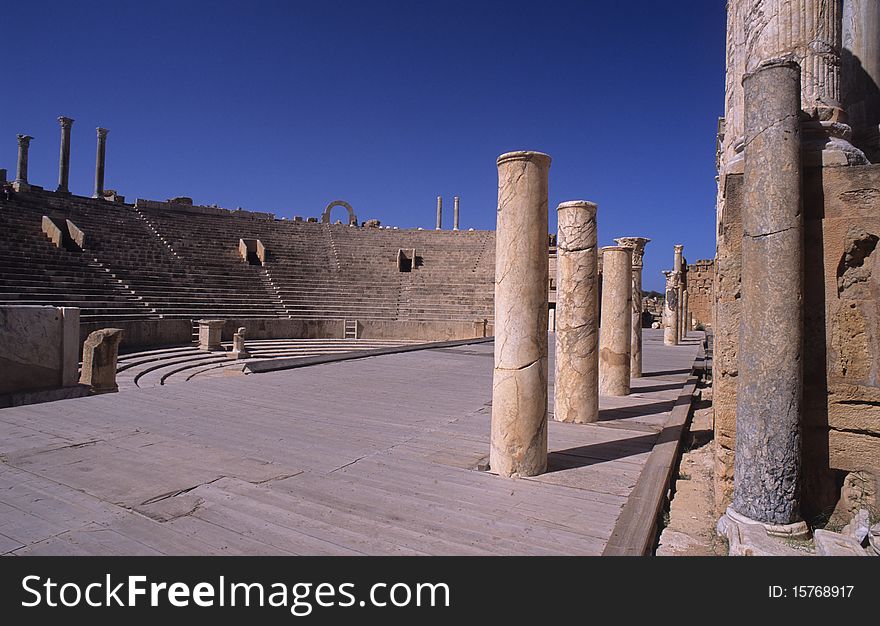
<point>809,32</point>
<point>518,441</point>
<point>670,310</point>
<point>615,335</point>
<point>99,163</point>
<point>64,157</point>
<point>455,213</point>
<point>686,314</point>
<point>576,384</point>
<point>860,88</point>
<point>677,268</point>
<point>637,245</point>
<point>770,383</point>
<point>439,212</point>
<point>21,168</point>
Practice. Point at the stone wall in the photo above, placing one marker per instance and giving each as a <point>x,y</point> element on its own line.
<point>700,285</point>
<point>841,426</point>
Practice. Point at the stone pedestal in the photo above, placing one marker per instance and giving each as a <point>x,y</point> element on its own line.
<point>239,351</point>
<point>99,163</point>
<point>770,384</point>
<point>64,157</point>
<point>455,201</point>
<point>21,168</point>
<point>637,245</point>
<point>439,212</point>
<point>519,383</point>
<point>210,333</point>
<point>615,335</point>
<point>670,310</point>
<point>100,352</point>
<point>576,384</point>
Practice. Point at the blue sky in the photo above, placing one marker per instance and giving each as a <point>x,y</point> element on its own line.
<point>285,106</point>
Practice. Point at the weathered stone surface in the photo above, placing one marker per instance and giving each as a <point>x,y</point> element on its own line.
<point>615,334</point>
<point>834,544</point>
<point>637,245</point>
<point>239,351</point>
<point>100,352</point>
<point>64,158</point>
<point>860,74</point>
<point>519,389</point>
<point>749,538</point>
<point>770,386</point>
<point>210,333</point>
<point>670,310</point>
<point>41,348</point>
<point>100,155</point>
<point>21,166</point>
<point>859,527</point>
<point>576,384</point>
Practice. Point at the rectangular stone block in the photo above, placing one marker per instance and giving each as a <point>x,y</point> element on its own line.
<point>40,348</point>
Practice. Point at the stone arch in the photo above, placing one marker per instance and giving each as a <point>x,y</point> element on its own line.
<point>352,218</point>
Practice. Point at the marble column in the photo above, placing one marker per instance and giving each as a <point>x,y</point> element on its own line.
<point>685,314</point>
<point>637,245</point>
<point>99,163</point>
<point>439,212</point>
<point>64,157</point>
<point>518,440</point>
<point>455,213</point>
<point>770,356</point>
<point>576,383</point>
<point>21,169</point>
<point>677,268</point>
<point>615,335</point>
<point>860,81</point>
<point>670,309</point>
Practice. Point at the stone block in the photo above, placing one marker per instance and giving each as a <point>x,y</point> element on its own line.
<point>210,335</point>
<point>100,352</point>
<point>834,544</point>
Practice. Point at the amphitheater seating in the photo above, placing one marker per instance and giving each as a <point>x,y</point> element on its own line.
<point>158,260</point>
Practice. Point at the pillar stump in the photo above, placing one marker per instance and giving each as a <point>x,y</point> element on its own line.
<point>100,353</point>
<point>518,440</point>
<point>210,333</point>
<point>615,335</point>
<point>670,310</point>
<point>576,384</point>
<point>770,384</point>
<point>637,245</point>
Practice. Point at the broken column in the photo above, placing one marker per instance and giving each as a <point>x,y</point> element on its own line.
<point>239,351</point>
<point>670,309</point>
<point>637,245</point>
<point>439,212</point>
<point>100,352</point>
<point>455,213</point>
<point>615,334</point>
<point>210,333</point>
<point>576,383</point>
<point>769,387</point>
<point>99,163</point>
<point>21,168</point>
<point>64,157</point>
<point>518,445</point>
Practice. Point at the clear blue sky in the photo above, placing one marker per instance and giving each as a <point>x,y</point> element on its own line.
<point>285,106</point>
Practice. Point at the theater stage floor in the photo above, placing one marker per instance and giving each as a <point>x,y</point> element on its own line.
<point>370,456</point>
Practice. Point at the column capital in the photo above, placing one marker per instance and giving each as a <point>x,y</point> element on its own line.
<point>678,248</point>
<point>66,122</point>
<point>637,245</point>
<point>102,132</point>
<point>24,140</point>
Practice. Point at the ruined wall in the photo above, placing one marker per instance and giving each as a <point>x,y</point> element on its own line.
<point>700,285</point>
<point>841,426</point>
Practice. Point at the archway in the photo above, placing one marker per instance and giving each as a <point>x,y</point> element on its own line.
<point>352,218</point>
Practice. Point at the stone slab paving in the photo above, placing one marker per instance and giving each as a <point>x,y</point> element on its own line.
<point>372,456</point>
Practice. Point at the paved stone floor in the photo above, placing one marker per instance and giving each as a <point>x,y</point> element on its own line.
<point>372,456</point>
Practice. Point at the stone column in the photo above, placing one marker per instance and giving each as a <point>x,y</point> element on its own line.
<point>64,158</point>
<point>615,335</point>
<point>637,245</point>
<point>809,32</point>
<point>455,213</point>
<point>677,268</point>
<point>519,382</point>
<point>439,212</point>
<point>210,333</point>
<point>100,353</point>
<point>769,385</point>
<point>576,384</point>
<point>99,163</point>
<point>21,169</point>
<point>670,310</point>
<point>686,315</point>
<point>860,88</point>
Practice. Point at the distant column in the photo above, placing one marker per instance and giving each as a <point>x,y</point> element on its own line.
<point>615,335</point>
<point>519,384</point>
<point>637,245</point>
<point>770,357</point>
<point>676,267</point>
<point>670,310</point>
<point>439,212</point>
<point>685,314</point>
<point>64,158</point>
<point>455,213</point>
<point>99,163</point>
<point>576,383</point>
<point>21,170</point>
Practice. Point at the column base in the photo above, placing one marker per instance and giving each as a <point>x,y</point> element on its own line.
<point>20,186</point>
<point>827,144</point>
<point>748,537</point>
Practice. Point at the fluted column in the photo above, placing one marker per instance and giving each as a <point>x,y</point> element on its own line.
<point>670,309</point>
<point>455,213</point>
<point>860,88</point>
<point>732,147</point>
<point>637,245</point>
<point>439,212</point>
<point>21,167</point>
<point>99,163</point>
<point>518,439</point>
<point>615,334</point>
<point>576,384</point>
<point>64,157</point>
